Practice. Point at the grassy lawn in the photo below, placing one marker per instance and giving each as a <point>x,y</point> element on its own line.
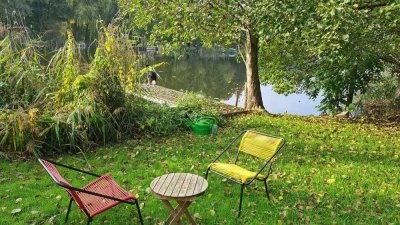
<point>329,172</point>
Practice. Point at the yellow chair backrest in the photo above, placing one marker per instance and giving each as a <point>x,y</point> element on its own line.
<point>259,145</point>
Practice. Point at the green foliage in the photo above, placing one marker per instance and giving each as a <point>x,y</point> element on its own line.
<point>378,102</point>
<point>383,89</point>
<point>21,73</point>
<point>81,108</point>
<point>53,18</point>
<point>248,26</point>
<point>343,47</point>
<point>65,70</point>
<point>20,6</point>
<point>32,132</point>
<point>86,14</point>
<point>156,120</point>
<point>193,106</point>
<point>330,171</point>
<point>113,69</point>
<point>54,108</point>
<point>161,120</point>
<point>178,24</point>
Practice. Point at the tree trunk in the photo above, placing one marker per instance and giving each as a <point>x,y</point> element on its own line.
<point>48,10</point>
<point>397,93</point>
<point>87,34</point>
<point>350,93</point>
<point>253,98</point>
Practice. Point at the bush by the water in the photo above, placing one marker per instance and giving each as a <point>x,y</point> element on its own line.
<point>381,101</point>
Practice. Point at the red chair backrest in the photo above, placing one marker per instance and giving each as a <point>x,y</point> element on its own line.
<point>53,172</point>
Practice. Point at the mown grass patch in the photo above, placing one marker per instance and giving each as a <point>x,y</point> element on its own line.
<point>329,172</point>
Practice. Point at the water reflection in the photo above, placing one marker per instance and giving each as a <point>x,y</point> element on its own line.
<point>296,104</point>
<point>224,78</point>
<point>217,78</point>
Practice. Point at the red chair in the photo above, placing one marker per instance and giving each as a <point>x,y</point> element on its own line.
<point>94,198</point>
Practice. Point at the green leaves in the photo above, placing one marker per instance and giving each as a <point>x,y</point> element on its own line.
<point>339,51</point>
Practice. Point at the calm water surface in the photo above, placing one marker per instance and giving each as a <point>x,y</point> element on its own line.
<point>224,79</point>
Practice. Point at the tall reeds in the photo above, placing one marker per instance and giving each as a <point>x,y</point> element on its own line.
<point>50,107</point>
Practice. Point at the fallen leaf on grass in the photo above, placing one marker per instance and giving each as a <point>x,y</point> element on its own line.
<point>331,181</point>
<point>227,192</point>
<point>148,190</point>
<point>284,214</point>
<point>51,220</point>
<point>359,192</point>
<point>197,216</point>
<point>212,212</point>
<point>18,200</point>
<point>14,211</point>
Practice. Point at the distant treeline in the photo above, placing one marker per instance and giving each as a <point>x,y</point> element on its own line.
<point>50,19</point>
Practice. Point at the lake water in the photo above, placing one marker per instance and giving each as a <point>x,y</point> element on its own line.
<point>224,79</point>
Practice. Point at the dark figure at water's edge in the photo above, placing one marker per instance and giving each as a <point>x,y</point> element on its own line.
<point>151,76</point>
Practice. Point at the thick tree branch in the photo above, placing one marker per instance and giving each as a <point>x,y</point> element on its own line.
<point>394,59</point>
<point>391,59</point>
<point>372,5</point>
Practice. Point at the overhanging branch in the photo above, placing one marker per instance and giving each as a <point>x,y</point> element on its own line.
<point>372,5</point>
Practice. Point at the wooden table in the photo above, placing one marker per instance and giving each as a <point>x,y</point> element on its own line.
<point>183,188</point>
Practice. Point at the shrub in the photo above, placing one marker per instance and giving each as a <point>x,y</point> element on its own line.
<point>379,100</point>
<point>22,77</point>
<point>155,119</point>
<point>193,106</point>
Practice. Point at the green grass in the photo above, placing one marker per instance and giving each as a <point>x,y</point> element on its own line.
<point>329,172</point>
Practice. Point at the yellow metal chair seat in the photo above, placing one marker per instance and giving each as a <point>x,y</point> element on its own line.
<point>253,143</point>
<point>235,172</point>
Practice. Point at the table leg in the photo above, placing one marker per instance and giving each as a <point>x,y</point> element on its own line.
<point>171,210</point>
<point>190,218</point>
<point>182,208</point>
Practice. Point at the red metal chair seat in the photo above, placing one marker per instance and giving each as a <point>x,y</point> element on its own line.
<point>104,185</point>
<point>94,198</point>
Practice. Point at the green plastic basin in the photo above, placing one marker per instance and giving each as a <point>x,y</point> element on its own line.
<point>203,126</point>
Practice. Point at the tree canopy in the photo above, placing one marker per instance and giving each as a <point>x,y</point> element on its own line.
<point>247,25</point>
<point>343,46</point>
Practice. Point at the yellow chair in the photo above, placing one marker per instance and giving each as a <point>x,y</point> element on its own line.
<point>256,144</point>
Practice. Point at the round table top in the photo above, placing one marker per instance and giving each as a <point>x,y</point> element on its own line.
<point>179,185</point>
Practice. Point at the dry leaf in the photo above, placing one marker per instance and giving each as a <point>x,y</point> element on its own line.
<point>52,219</point>
<point>14,211</point>
<point>212,212</point>
<point>331,181</point>
<point>148,190</point>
